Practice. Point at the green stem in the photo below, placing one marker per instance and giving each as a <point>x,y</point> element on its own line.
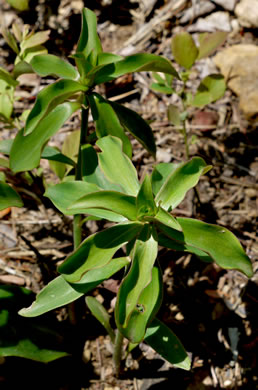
<point>117,355</point>
<point>185,141</point>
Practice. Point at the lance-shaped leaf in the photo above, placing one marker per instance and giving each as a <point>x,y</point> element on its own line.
<point>135,63</point>
<point>166,343</point>
<point>7,77</point>
<point>9,197</point>
<point>107,122</point>
<point>160,174</point>
<point>53,154</point>
<point>218,242</point>
<point>147,306</point>
<point>63,195</point>
<point>34,40</point>
<point>48,64</point>
<point>108,200</point>
<point>166,218</point>
<point>97,250</point>
<point>139,277</point>
<point>145,202</point>
<point>108,58</point>
<point>211,88</point>
<point>59,292</point>
<point>48,98</point>
<point>89,41</point>
<point>184,49</point>
<point>116,166</point>
<point>98,310</point>
<point>180,181</point>
<point>182,247</point>
<point>136,126</point>
<point>209,42</point>
<point>26,150</point>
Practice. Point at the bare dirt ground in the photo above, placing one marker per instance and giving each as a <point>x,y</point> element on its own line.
<point>211,310</point>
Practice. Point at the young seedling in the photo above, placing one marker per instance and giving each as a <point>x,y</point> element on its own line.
<point>210,89</point>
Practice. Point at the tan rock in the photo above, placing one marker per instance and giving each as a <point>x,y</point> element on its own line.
<point>238,64</point>
<point>247,13</point>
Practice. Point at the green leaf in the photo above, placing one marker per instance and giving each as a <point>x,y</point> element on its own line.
<point>71,144</point>
<point>25,348</point>
<point>108,58</point>
<point>180,181</point>
<point>145,202</point>
<point>98,310</point>
<point>48,64</point>
<point>136,126</point>
<point>26,150</point>
<point>160,174</point>
<point>167,219</point>
<point>4,163</point>
<point>135,63</point>
<point>209,42</point>
<point>35,39</point>
<point>108,200</point>
<point>97,250</point>
<point>48,98</point>
<point>211,88</point>
<point>107,122</point>
<point>116,166</point>
<point>138,278</point>
<point>218,242</point>
<point>21,5</point>
<point>89,41</point>
<point>5,146</point>
<point>147,306</point>
<point>53,154</point>
<point>7,77</point>
<point>184,49</point>
<point>174,115</point>
<point>58,168</point>
<point>166,343</point>
<point>6,99</point>
<point>10,40</point>
<point>162,88</point>
<point>30,53</point>
<point>59,292</point>
<point>9,197</point>
<point>20,68</point>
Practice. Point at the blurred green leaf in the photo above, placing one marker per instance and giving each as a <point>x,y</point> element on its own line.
<point>97,250</point>
<point>21,5</point>
<point>136,126</point>
<point>184,49</point>
<point>48,64</point>
<point>116,166</point>
<point>20,68</point>
<point>8,78</point>
<point>174,115</point>
<point>184,177</point>
<point>211,88</point>
<point>166,343</point>
<point>34,39</point>
<point>98,310</point>
<point>9,39</point>
<point>6,99</point>
<point>9,197</point>
<point>209,42</point>
<point>26,150</point>
<point>162,88</point>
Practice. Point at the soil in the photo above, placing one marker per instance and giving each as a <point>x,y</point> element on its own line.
<point>211,310</point>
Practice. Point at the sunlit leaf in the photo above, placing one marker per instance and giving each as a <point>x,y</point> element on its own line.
<point>137,126</point>
<point>116,166</point>
<point>184,177</point>
<point>97,250</point>
<point>184,49</point>
<point>48,98</point>
<point>166,343</point>
<point>218,242</point>
<point>35,39</point>
<point>107,122</point>
<point>138,278</point>
<point>135,63</point>
<point>21,5</point>
<point>209,42</point>
<point>9,197</point>
<point>98,310</point>
<point>26,150</point>
<point>62,293</point>
<point>48,64</point>
<point>160,174</point>
<point>108,200</point>
<point>108,58</point>
<point>211,88</point>
<point>167,219</point>
<point>7,77</point>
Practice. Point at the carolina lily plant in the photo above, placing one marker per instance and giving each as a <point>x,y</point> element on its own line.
<point>102,183</point>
